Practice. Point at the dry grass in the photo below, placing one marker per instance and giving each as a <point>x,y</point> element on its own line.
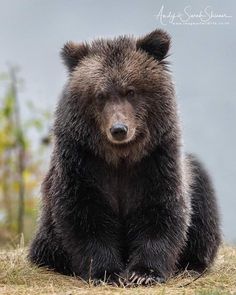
<point>18,277</point>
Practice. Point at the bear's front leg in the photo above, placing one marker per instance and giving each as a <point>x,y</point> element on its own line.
<point>156,235</point>
<point>89,231</point>
<point>157,227</point>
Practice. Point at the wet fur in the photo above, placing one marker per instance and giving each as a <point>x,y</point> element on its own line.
<point>141,211</point>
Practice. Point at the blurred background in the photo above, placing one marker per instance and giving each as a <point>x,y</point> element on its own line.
<point>203,64</point>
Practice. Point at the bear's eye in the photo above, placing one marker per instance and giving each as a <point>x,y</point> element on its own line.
<point>100,96</point>
<point>130,92</point>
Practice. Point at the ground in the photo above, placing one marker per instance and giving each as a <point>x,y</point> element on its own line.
<point>18,277</point>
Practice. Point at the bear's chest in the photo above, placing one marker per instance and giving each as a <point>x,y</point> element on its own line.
<point>122,191</point>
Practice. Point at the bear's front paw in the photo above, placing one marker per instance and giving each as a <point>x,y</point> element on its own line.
<point>137,278</point>
<point>108,279</point>
<point>111,280</point>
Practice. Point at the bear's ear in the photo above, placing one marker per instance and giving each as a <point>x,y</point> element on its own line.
<point>156,44</point>
<point>72,53</point>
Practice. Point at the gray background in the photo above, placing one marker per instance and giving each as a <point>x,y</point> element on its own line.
<point>203,65</point>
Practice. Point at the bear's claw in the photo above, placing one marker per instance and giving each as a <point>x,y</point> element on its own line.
<point>136,279</point>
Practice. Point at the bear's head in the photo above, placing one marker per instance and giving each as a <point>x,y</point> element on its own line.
<point>119,100</point>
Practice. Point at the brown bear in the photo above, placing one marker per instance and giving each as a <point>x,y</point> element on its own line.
<point>121,200</point>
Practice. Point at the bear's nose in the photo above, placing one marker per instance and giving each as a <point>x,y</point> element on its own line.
<point>119,131</point>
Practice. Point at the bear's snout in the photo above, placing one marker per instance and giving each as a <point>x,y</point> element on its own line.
<point>119,131</point>
<point>118,121</point>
